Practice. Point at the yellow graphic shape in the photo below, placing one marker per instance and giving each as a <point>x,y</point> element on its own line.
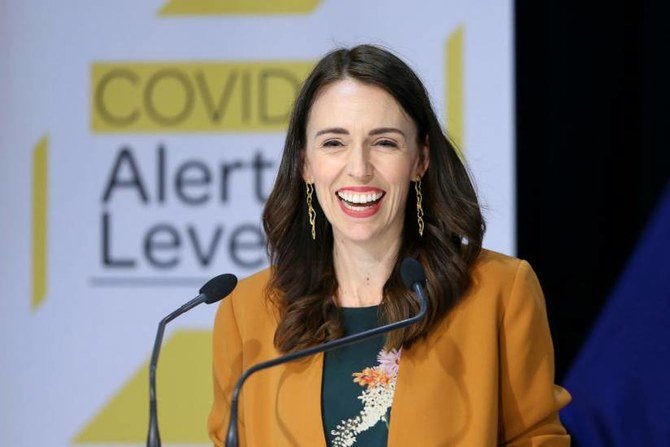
<point>454,88</point>
<point>235,7</point>
<point>194,97</point>
<point>183,391</point>
<point>40,208</point>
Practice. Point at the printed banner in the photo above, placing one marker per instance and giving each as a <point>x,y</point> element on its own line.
<point>139,143</point>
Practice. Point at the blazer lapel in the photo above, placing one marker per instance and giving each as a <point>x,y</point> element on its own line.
<point>299,403</point>
<point>401,410</point>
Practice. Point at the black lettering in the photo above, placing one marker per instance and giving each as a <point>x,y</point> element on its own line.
<point>247,239</point>
<point>162,238</point>
<point>125,156</point>
<point>226,169</point>
<point>217,112</point>
<point>99,98</point>
<point>259,164</point>
<point>204,257</point>
<point>201,177</point>
<point>185,83</point>
<point>107,259</point>
<point>162,162</point>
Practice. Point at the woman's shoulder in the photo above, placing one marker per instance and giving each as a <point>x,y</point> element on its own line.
<point>254,283</point>
<point>249,299</point>
<point>498,271</point>
<point>493,262</point>
<point>246,321</point>
<point>499,283</point>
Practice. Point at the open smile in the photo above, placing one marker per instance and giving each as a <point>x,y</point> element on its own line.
<point>360,201</point>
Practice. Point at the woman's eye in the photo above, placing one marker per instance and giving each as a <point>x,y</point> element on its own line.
<point>332,143</point>
<point>387,143</point>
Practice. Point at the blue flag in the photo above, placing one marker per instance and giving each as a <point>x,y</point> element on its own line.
<point>620,382</point>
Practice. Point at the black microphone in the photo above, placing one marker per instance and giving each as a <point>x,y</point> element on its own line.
<point>413,277</point>
<point>214,290</point>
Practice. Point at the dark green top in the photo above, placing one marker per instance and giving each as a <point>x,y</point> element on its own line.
<point>345,424</point>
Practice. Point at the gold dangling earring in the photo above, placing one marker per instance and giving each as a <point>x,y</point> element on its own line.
<point>419,208</point>
<point>309,187</point>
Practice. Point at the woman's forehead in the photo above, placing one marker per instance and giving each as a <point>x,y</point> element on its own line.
<point>356,106</point>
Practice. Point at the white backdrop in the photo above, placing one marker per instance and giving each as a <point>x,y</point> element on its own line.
<point>122,96</point>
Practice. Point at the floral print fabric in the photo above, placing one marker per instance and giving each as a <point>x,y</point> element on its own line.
<point>378,386</point>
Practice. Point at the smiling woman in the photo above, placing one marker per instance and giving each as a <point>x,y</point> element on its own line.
<point>368,178</point>
<point>362,167</point>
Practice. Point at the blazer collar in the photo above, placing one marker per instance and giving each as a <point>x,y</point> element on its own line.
<point>299,403</point>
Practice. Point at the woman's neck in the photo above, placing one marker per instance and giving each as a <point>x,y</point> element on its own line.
<point>362,271</point>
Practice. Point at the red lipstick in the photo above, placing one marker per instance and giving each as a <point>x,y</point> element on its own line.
<point>360,201</point>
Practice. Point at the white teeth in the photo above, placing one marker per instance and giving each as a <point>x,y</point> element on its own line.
<point>355,197</point>
<point>354,208</point>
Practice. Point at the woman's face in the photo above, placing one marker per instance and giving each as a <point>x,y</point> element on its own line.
<point>361,155</point>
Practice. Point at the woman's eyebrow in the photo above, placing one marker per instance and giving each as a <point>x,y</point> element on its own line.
<point>337,130</point>
<point>377,131</point>
<point>381,130</point>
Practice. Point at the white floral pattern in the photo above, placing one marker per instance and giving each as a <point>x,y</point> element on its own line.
<point>377,397</point>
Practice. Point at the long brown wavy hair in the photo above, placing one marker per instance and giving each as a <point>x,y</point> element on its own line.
<point>303,283</point>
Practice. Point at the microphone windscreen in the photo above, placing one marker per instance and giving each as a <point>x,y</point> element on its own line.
<point>412,272</point>
<point>218,287</point>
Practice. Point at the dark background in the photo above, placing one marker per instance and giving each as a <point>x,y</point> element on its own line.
<point>592,152</point>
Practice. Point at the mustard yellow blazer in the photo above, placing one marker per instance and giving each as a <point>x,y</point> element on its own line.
<point>483,377</point>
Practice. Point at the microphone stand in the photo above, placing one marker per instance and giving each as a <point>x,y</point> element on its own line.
<point>153,438</point>
<point>214,290</point>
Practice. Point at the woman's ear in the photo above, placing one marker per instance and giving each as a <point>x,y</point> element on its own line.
<point>306,169</point>
<point>424,159</point>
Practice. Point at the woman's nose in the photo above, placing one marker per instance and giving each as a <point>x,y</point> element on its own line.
<point>359,166</point>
